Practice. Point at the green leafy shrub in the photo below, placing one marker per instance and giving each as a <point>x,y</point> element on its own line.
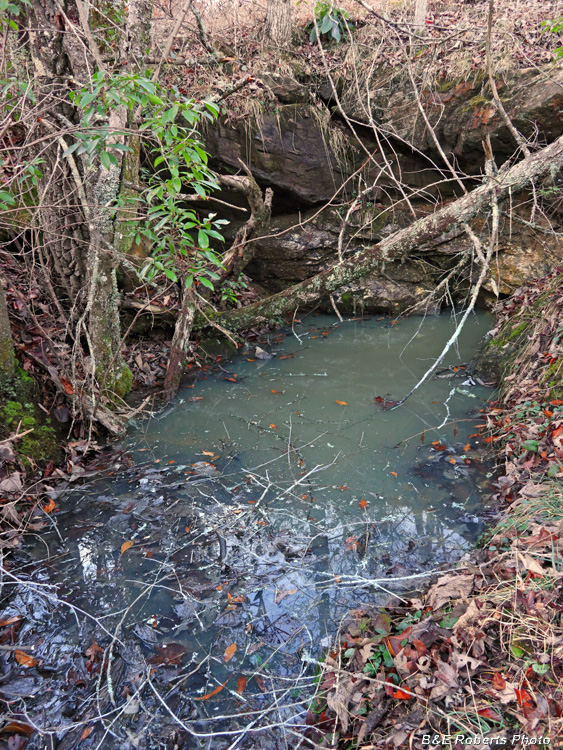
<point>331,20</point>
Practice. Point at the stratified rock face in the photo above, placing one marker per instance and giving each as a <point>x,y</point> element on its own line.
<point>288,150</point>
<point>310,160</point>
<point>463,114</point>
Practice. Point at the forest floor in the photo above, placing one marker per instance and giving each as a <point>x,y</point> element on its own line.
<point>480,653</point>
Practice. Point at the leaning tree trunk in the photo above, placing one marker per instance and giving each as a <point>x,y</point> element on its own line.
<point>397,246</point>
<point>7,360</point>
<point>277,28</point>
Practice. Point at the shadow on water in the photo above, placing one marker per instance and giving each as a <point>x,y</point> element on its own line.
<point>272,498</point>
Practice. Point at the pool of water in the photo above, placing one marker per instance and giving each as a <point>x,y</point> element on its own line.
<point>273,496</point>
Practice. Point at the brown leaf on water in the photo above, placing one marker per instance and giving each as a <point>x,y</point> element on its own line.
<point>86,733</point>
<point>230,652</point>
<point>207,453</point>
<point>127,545</point>
<point>282,594</point>
<point>363,504</point>
<point>466,448</point>
<point>50,506</point>
<point>274,427</point>
<point>241,684</point>
<point>171,654</point>
<point>341,403</point>
<point>24,659</point>
<point>10,620</point>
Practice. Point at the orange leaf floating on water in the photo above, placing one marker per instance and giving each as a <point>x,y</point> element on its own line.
<point>127,545</point>
<point>452,460</point>
<point>341,403</point>
<point>342,487</point>
<point>10,620</point>
<point>278,393</point>
<point>393,473</point>
<point>287,356</point>
<point>274,427</point>
<point>213,692</point>
<point>466,448</point>
<point>50,506</point>
<point>230,652</point>
<point>241,684</point>
<point>86,733</point>
<point>363,504</point>
<point>438,446</point>
<point>24,659</point>
<point>207,453</point>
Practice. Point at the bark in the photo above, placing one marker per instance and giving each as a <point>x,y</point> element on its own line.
<point>7,360</point>
<point>179,345</point>
<point>277,27</point>
<point>398,246</point>
<point>241,252</point>
<point>81,234</point>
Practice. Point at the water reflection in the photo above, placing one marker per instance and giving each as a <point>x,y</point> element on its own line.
<point>276,495</point>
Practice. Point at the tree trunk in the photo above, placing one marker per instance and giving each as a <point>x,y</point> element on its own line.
<point>82,235</point>
<point>277,28</point>
<point>179,345</point>
<point>7,360</point>
<point>396,247</point>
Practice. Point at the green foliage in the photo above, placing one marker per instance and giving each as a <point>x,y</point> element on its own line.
<point>179,237</point>
<point>9,8</point>
<point>331,20</point>
<point>231,290</point>
<point>555,27</point>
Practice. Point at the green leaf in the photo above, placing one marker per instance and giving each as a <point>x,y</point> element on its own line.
<point>517,652</point>
<point>202,239</point>
<point>171,274</point>
<point>6,198</point>
<point>349,653</point>
<point>540,669</point>
<point>105,158</point>
<point>176,184</point>
<point>206,282</point>
<point>189,281</point>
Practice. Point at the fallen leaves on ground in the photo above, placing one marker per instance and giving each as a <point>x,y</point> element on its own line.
<point>230,652</point>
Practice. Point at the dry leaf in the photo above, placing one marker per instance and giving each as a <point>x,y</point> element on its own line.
<point>341,403</point>
<point>127,545</point>
<point>363,504</point>
<point>274,427</point>
<point>24,659</point>
<point>230,652</point>
<point>86,733</point>
<point>450,587</point>
<point>282,594</point>
<point>241,684</point>
<point>50,506</point>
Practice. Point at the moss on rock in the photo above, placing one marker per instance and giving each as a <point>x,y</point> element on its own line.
<point>20,413</point>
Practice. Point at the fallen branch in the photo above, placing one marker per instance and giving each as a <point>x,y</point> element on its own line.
<point>397,247</point>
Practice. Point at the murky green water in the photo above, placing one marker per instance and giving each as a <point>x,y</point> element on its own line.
<point>274,496</point>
